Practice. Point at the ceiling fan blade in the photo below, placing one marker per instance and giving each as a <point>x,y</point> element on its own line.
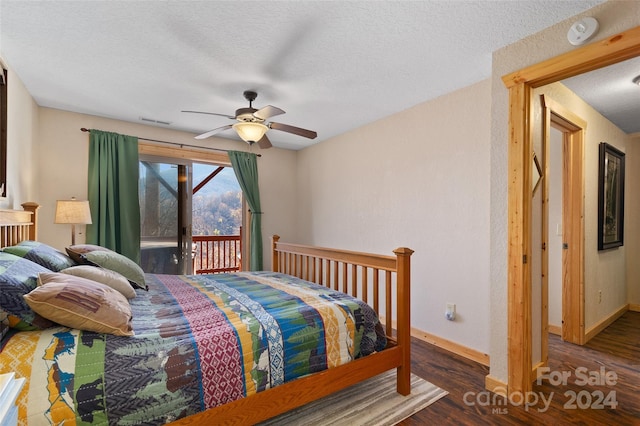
<point>211,113</point>
<point>264,142</point>
<point>267,112</point>
<point>295,130</point>
<point>214,131</point>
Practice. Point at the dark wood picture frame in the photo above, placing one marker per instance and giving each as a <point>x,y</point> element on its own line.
<point>610,197</point>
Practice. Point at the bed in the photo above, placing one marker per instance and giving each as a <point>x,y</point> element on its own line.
<point>177,366</point>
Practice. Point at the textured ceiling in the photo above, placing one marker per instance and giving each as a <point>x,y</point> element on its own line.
<point>611,91</point>
<point>332,66</point>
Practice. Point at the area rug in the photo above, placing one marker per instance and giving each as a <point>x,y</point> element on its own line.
<point>373,402</point>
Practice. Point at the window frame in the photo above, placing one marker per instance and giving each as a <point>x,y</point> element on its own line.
<point>3,132</point>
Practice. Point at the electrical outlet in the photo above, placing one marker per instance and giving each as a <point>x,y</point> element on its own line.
<point>600,296</point>
<point>450,313</point>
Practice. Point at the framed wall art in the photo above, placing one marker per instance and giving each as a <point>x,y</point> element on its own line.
<point>610,197</point>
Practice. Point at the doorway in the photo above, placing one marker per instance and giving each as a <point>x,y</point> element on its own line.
<point>557,299</point>
<point>615,49</point>
<point>563,145</point>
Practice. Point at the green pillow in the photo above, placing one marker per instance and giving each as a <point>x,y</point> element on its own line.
<point>77,251</point>
<point>119,263</point>
<point>42,254</point>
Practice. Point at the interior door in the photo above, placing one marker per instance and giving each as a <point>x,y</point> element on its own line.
<point>165,214</point>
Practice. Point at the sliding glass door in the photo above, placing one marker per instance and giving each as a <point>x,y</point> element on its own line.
<point>165,207</point>
<point>191,217</point>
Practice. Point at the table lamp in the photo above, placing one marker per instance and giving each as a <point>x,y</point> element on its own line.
<point>74,212</point>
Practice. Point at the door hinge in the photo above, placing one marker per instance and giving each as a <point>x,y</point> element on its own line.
<point>524,258</point>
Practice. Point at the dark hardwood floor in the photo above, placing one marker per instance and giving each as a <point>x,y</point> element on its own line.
<point>601,384</point>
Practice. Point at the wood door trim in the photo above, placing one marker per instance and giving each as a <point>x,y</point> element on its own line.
<point>519,241</point>
<point>573,129</point>
<point>617,48</point>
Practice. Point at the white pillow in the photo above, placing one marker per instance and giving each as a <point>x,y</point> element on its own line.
<point>105,276</point>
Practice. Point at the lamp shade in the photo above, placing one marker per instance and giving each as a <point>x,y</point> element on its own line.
<point>249,131</point>
<point>73,211</point>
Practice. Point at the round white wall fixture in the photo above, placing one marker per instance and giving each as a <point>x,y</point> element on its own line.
<point>582,31</point>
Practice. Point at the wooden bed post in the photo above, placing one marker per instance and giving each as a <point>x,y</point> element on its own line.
<point>33,208</point>
<point>274,253</point>
<point>403,277</point>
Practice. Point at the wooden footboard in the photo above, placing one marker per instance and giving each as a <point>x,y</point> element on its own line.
<point>369,277</point>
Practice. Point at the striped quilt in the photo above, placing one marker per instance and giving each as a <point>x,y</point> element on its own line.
<point>200,341</point>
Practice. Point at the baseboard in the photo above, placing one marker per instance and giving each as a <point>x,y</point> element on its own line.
<point>456,348</point>
<point>450,346</point>
<point>606,322</point>
<point>494,385</point>
<point>633,307</point>
<point>555,329</point>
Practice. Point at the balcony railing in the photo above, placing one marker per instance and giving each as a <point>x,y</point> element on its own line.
<point>214,254</point>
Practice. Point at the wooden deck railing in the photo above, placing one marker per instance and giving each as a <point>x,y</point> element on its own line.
<point>214,254</point>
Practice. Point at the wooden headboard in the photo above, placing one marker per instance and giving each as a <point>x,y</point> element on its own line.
<point>18,225</point>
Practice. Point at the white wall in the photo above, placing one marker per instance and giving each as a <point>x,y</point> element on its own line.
<point>22,118</point>
<point>555,228</point>
<point>632,224</point>
<point>419,179</point>
<point>614,17</point>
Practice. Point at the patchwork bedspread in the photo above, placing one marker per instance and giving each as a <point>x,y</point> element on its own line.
<point>200,341</point>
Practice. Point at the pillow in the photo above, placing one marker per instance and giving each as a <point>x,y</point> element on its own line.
<point>18,277</point>
<point>105,276</point>
<point>81,303</point>
<point>41,254</point>
<point>119,263</point>
<point>77,251</point>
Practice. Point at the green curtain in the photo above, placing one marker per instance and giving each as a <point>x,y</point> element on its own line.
<point>113,193</point>
<point>246,169</point>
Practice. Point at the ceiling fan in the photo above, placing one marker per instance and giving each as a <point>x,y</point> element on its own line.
<point>252,124</point>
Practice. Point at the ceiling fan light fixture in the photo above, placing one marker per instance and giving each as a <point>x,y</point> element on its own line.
<point>636,80</point>
<point>250,131</point>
